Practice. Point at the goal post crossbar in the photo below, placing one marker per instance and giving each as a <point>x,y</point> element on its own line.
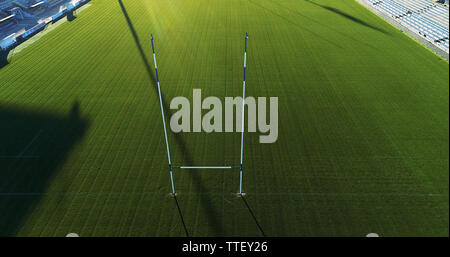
<point>206,167</point>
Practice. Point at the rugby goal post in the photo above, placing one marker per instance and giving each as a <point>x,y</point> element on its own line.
<point>172,167</point>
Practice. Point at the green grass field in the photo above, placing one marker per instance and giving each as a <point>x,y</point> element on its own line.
<point>363,124</point>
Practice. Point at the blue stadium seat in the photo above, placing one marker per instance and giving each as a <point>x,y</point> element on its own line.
<point>7,43</point>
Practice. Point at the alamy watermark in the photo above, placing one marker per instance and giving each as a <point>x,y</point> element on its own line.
<point>212,121</point>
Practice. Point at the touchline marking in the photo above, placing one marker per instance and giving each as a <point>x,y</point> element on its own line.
<point>206,167</point>
<point>19,157</point>
<point>192,193</point>
<point>21,154</point>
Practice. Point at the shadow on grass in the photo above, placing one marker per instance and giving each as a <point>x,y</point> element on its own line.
<point>206,201</point>
<point>322,24</point>
<point>296,24</point>
<point>348,16</point>
<point>181,216</point>
<point>253,216</point>
<point>33,145</point>
<point>71,16</point>
<point>3,58</point>
<point>138,44</point>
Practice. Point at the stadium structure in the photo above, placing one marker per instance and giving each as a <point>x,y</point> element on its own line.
<point>361,108</point>
<point>427,19</point>
<point>22,19</point>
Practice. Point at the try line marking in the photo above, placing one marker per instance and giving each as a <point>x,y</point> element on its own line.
<point>21,154</point>
<point>86,193</point>
<point>18,157</point>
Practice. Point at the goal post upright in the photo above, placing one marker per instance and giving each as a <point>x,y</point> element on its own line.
<point>242,119</point>
<point>163,118</point>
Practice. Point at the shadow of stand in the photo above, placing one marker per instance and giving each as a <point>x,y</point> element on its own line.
<point>348,16</point>
<point>33,149</point>
<point>71,16</point>
<point>4,58</point>
<point>253,216</point>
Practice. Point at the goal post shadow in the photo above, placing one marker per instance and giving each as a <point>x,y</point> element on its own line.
<point>171,166</point>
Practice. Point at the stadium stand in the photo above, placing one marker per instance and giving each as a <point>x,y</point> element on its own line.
<point>415,5</point>
<point>22,19</point>
<point>37,4</point>
<point>7,43</point>
<point>59,16</point>
<point>6,17</point>
<point>33,31</point>
<point>438,14</point>
<point>428,19</point>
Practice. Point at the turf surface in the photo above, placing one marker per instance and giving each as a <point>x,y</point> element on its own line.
<point>363,124</point>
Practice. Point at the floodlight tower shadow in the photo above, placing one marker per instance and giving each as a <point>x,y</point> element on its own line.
<point>206,200</point>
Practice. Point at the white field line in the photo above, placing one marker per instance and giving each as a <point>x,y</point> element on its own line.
<point>30,143</point>
<point>21,154</point>
<point>18,157</point>
<point>191,193</point>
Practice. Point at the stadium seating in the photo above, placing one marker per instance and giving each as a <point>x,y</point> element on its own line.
<point>427,18</point>
<point>72,6</point>
<point>15,16</point>
<point>33,31</point>
<point>7,17</point>
<point>59,16</point>
<point>415,5</point>
<point>8,3</point>
<point>438,14</point>
<point>37,4</point>
<point>7,43</point>
<point>392,8</point>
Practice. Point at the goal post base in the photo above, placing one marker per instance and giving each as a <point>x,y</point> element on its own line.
<point>241,195</point>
